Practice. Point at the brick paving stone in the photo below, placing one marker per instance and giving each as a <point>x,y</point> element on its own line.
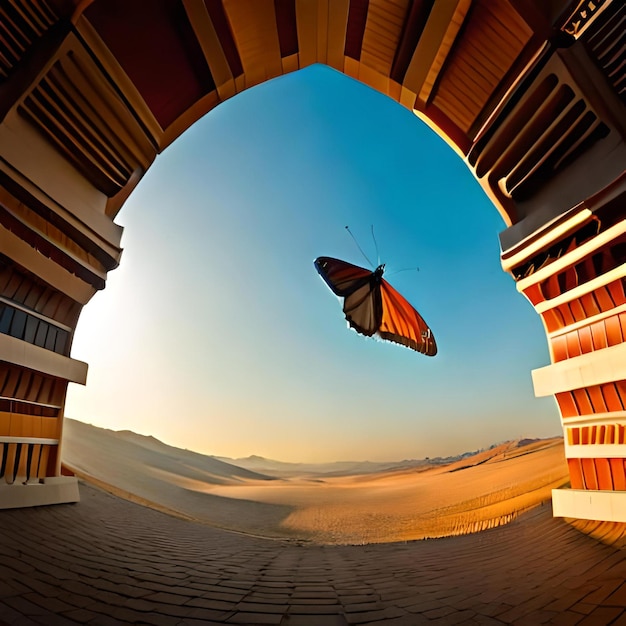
<point>18,588</point>
<point>268,598</point>
<point>560,604</point>
<point>41,587</point>
<point>425,605</point>
<point>458,617</point>
<point>209,603</point>
<point>486,620</point>
<point>523,609</point>
<point>462,603</point>
<point>9,616</point>
<point>357,599</point>
<point>77,601</point>
<point>52,605</point>
<point>259,607</point>
<point>220,596</point>
<point>601,616</point>
<point>25,607</point>
<point>314,595</point>
<point>567,618</point>
<point>618,597</point>
<point>56,620</point>
<point>371,616</point>
<point>315,609</point>
<point>139,604</point>
<point>536,617</point>
<point>238,584</point>
<point>174,610</point>
<point>439,612</point>
<point>621,620</point>
<point>313,601</point>
<point>364,606</point>
<point>159,619</point>
<point>313,590</point>
<point>399,594</point>
<point>130,591</point>
<point>210,614</point>
<point>314,620</point>
<point>492,610</point>
<point>255,619</point>
<point>16,564</point>
<point>128,615</point>
<point>405,620</point>
<point>583,608</point>
<point>165,598</point>
<point>605,591</point>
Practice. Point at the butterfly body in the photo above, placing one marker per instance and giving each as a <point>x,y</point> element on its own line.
<point>373,307</point>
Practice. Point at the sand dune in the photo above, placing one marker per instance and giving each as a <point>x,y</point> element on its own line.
<point>402,503</point>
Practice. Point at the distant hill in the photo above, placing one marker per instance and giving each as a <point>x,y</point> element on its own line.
<point>284,469</point>
<point>102,451</point>
<point>146,470</point>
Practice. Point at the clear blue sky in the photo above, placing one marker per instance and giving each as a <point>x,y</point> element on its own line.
<point>217,334</point>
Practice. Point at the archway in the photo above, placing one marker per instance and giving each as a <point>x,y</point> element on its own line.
<point>258,188</point>
<point>520,89</point>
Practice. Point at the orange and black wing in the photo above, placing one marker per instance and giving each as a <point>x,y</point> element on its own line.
<point>402,324</point>
<point>362,303</point>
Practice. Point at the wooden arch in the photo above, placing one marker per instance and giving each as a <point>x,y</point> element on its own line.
<point>530,93</point>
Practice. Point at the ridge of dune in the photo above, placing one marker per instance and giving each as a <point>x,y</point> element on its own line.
<point>102,449</point>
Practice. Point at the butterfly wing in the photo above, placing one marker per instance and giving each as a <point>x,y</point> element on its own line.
<point>343,278</point>
<point>362,304</point>
<point>402,324</point>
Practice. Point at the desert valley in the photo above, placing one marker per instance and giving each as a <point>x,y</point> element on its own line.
<point>337,503</point>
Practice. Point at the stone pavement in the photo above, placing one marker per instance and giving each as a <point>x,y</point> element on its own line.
<point>108,561</point>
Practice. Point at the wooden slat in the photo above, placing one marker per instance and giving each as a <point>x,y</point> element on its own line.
<point>337,23</point>
<point>254,29</point>
<point>385,19</point>
<point>434,44</point>
<point>306,20</point>
<point>322,30</point>
<point>211,47</point>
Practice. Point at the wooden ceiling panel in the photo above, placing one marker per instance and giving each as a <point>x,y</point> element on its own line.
<point>154,43</point>
<point>414,25</point>
<point>286,25</point>
<point>357,18</point>
<point>253,23</point>
<point>490,42</point>
<point>20,26</point>
<point>383,30</point>
<point>337,24</point>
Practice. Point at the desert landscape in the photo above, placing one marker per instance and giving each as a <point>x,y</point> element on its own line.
<point>339,503</point>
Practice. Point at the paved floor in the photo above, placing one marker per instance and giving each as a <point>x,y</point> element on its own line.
<point>108,561</point>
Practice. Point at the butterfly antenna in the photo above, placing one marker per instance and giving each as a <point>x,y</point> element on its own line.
<point>376,246</point>
<point>405,269</point>
<point>358,246</point>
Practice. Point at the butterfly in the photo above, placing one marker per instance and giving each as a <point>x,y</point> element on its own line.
<point>373,307</point>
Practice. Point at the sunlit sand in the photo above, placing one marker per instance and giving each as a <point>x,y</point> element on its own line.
<point>485,490</point>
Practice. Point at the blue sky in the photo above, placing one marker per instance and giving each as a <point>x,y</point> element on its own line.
<point>217,334</point>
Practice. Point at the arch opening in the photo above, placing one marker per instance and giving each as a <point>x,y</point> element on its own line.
<point>522,90</point>
<point>242,204</point>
